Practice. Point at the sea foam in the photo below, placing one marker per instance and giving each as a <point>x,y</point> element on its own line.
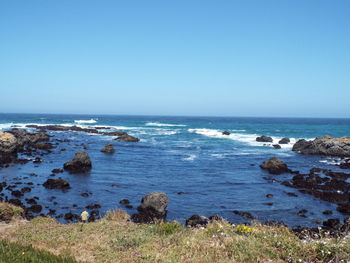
<point>158,124</point>
<point>241,137</point>
<point>86,121</point>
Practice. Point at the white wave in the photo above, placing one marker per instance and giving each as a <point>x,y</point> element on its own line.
<point>242,137</point>
<point>85,121</point>
<point>157,132</point>
<point>331,161</point>
<point>191,157</point>
<point>158,124</point>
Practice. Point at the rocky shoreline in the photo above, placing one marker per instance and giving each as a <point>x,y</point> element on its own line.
<point>323,184</point>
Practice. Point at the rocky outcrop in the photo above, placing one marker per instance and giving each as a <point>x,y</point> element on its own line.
<point>81,163</point>
<point>56,184</point>
<point>127,138</point>
<point>62,128</point>
<point>197,221</point>
<point>264,139</point>
<point>153,208</point>
<point>275,166</point>
<point>324,146</point>
<point>108,149</point>
<point>284,141</point>
<point>8,148</point>
<point>9,211</point>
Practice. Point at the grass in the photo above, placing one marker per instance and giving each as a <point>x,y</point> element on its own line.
<point>115,239</point>
<point>16,253</point>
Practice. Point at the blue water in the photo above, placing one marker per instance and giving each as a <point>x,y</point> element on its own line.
<point>218,174</point>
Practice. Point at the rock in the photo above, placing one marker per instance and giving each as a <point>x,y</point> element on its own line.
<point>244,214</point>
<point>56,184</point>
<point>124,202</point>
<point>277,146</point>
<point>344,208</point>
<point>226,133</point>
<point>153,207</point>
<point>84,194</point>
<point>327,212</point>
<point>196,221</point>
<point>275,166</point>
<point>81,163</point>
<point>9,211</point>
<point>324,146</point>
<point>108,149</point>
<point>70,217</point>
<point>269,195</point>
<point>17,193</point>
<point>344,165</point>
<point>127,138</point>
<point>56,171</point>
<point>284,141</point>
<point>264,139</point>
<point>93,206</point>
<point>43,146</point>
<point>115,133</point>
<point>333,223</point>
<point>35,208</point>
<point>62,128</point>
<point>8,142</point>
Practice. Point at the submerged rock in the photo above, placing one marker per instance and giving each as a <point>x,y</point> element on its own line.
<point>108,149</point>
<point>284,141</point>
<point>153,207</point>
<point>127,138</point>
<point>81,163</point>
<point>275,166</point>
<point>324,146</point>
<point>56,184</point>
<point>264,139</point>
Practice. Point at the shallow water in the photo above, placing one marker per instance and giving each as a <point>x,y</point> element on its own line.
<point>217,173</point>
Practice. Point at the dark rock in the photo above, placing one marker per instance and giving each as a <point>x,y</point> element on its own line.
<point>292,194</point>
<point>108,149</point>
<point>31,201</point>
<point>333,223</point>
<point>16,202</point>
<point>344,165</point>
<point>153,207</point>
<point>95,213</point>
<point>85,194</point>
<point>127,138</point>
<point>62,128</point>
<point>35,208</point>
<point>56,184</point>
<point>128,206</point>
<point>70,217</point>
<point>344,208</point>
<point>81,163</point>
<point>124,201</point>
<point>327,212</point>
<point>244,214</point>
<point>115,133</point>
<point>264,139</point>
<point>37,160</point>
<point>17,193</point>
<point>324,146</point>
<point>277,146</point>
<point>196,221</point>
<point>269,195</point>
<point>93,206</point>
<point>56,171</point>
<point>26,190</point>
<point>43,146</point>
<point>226,133</point>
<point>284,141</point>
<point>275,166</point>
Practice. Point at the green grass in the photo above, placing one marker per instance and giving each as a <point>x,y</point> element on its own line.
<point>114,239</point>
<point>16,253</point>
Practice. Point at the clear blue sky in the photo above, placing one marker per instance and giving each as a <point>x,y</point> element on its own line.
<point>183,57</point>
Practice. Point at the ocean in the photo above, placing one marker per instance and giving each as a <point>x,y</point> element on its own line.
<point>201,170</point>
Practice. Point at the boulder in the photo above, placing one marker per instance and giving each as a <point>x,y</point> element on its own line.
<point>284,141</point>
<point>275,166</point>
<point>8,142</point>
<point>81,163</point>
<point>56,184</point>
<point>264,139</point>
<point>324,146</point>
<point>196,221</point>
<point>9,211</point>
<point>127,138</point>
<point>108,149</point>
<point>153,207</point>
<point>226,133</point>
<point>277,146</point>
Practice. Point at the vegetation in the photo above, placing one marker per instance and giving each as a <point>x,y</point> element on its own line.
<point>15,253</point>
<point>115,239</point>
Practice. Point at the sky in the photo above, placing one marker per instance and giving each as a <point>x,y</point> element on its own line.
<point>184,57</point>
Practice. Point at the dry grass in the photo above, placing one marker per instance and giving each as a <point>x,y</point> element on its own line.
<point>115,239</point>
